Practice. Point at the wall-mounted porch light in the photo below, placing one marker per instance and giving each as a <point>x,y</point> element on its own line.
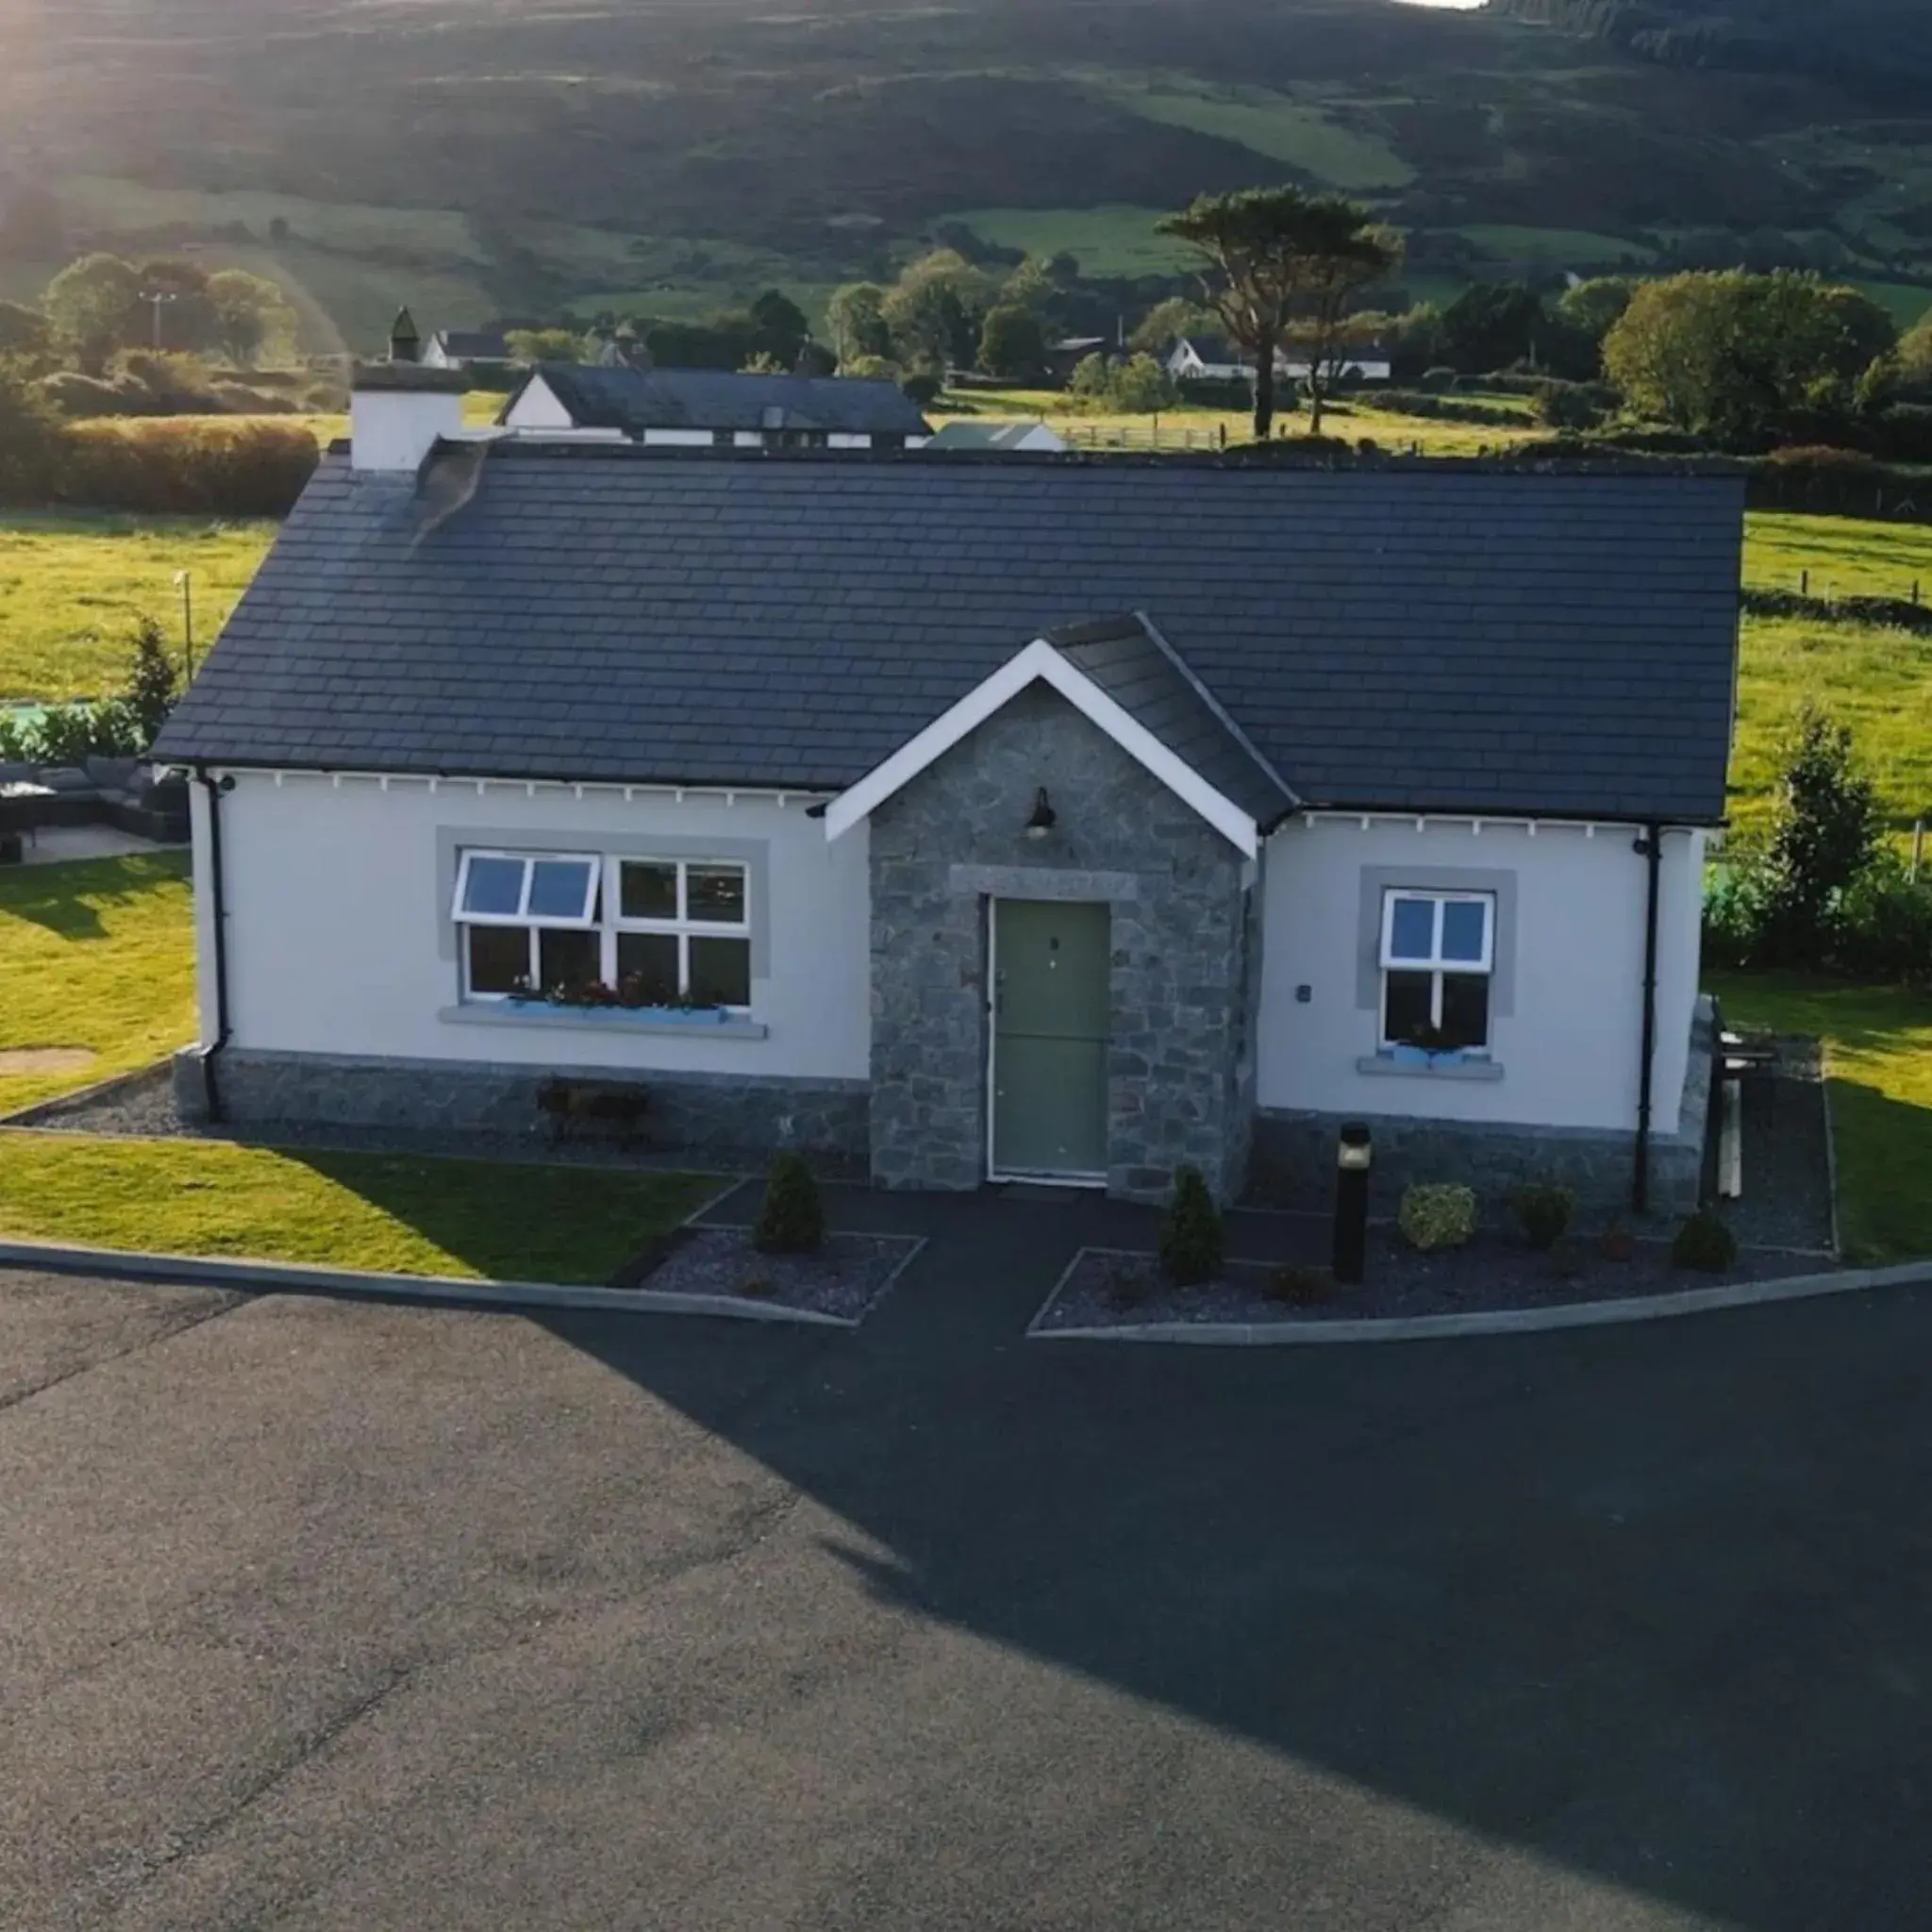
<point>1043,818</point>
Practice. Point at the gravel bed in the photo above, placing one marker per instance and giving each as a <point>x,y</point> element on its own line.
<point>843,1278</point>
<point>1107,1289</point>
<point>1787,1197</point>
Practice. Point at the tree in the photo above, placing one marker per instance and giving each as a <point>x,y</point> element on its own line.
<point>872,368</point>
<point>152,685</point>
<point>1825,835</point>
<point>1742,357</point>
<point>94,305</point>
<point>856,319</point>
<point>1915,354</point>
<point>1274,253</point>
<point>187,315</point>
<point>1091,379</point>
<point>544,345</point>
<point>1345,252</point>
<point>1139,386</point>
<point>762,362</point>
<point>779,328</point>
<point>250,313</point>
<point>1011,342</point>
<point>1594,308</point>
<point>1175,316</point>
<point>1489,325</point>
<point>935,309</point>
<point>25,332</point>
<point>814,358</point>
<point>29,437</point>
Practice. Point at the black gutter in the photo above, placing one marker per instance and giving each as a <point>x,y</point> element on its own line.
<point>218,908</point>
<point>1651,849</point>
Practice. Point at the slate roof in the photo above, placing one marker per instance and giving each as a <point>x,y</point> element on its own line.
<point>1442,637</point>
<point>999,436</point>
<point>472,345</point>
<point>601,396</point>
<point>1128,658</point>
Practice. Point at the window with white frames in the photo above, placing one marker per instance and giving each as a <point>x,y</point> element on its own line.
<point>661,932</point>
<point>1437,957</point>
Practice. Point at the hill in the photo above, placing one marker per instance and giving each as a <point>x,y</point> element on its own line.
<point>482,159</point>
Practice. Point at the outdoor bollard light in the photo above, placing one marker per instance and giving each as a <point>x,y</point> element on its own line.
<point>1353,1155</point>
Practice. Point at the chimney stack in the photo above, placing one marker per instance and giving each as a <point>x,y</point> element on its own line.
<point>398,409</point>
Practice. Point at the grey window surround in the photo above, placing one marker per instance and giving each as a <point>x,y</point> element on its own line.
<point>1378,879</point>
<point>755,855</point>
<point>1387,1065</point>
<point>1039,882</point>
<point>487,1013</point>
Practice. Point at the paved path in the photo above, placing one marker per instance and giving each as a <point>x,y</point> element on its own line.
<point>317,1615</point>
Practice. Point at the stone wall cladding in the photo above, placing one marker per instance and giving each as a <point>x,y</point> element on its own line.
<point>718,1115</point>
<point>1294,1164</point>
<point>1179,914</point>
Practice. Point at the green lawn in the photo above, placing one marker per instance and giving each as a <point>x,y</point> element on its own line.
<point>1878,1047</point>
<point>1571,248</point>
<point>73,586</point>
<point>96,955</point>
<point>410,1216</point>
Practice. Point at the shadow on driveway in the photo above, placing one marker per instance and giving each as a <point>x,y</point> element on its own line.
<point>1654,1604</point>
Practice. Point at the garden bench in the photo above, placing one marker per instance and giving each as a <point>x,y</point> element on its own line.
<point>619,1103</point>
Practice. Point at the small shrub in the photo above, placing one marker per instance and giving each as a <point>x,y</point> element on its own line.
<point>1300,1288</point>
<point>1126,1288</point>
<point>923,389</point>
<point>792,1220</point>
<point>1544,1213</point>
<point>1191,1238</point>
<point>1437,1215</point>
<point>186,465</point>
<point>756,1287</point>
<point>1704,1243</point>
<point>1617,1244</point>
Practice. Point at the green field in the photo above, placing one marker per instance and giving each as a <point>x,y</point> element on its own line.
<point>1567,248</point>
<point>1848,556</point>
<point>71,588</point>
<point>1115,240</point>
<point>1266,122</point>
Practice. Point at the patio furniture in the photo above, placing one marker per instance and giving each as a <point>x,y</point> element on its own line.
<point>23,805</point>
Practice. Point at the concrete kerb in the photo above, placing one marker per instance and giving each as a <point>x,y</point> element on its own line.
<point>1599,1314</point>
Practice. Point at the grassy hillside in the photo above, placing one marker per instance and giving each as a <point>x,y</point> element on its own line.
<point>475,158</point>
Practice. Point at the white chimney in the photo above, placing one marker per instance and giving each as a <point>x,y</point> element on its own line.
<point>398,409</point>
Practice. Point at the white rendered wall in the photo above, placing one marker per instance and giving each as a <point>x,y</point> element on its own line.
<point>682,439</point>
<point>395,429</point>
<point>1569,1049</point>
<point>339,936</point>
<point>537,408</point>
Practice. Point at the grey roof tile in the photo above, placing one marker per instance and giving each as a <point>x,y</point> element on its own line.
<point>1560,643</point>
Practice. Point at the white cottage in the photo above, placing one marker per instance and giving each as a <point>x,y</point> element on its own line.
<point>1051,818</point>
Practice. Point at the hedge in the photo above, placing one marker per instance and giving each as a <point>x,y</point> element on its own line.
<point>190,465</point>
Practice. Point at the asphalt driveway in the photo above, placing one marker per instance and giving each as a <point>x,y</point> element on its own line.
<point>327,1615</point>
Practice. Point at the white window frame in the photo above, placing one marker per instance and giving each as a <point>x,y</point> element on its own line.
<point>602,914</point>
<point>1436,966</point>
<point>682,927</point>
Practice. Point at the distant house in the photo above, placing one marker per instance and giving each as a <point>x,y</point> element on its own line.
<point>1214,359</point>
<point>462,348</point>
<point>1065,355</point>
<point>702,407</point>
<point>1009,436</point>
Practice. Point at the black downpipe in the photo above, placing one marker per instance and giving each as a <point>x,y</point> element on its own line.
<point>1651,846</point>
<point>218,906</point>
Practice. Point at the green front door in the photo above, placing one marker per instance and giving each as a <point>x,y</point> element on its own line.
<point>1049,1038</point>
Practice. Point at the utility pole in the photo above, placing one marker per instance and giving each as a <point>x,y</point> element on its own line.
<point>184,582</point>
<point>156,299</point>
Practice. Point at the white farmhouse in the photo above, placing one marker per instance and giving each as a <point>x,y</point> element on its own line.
<point>1047,817</point>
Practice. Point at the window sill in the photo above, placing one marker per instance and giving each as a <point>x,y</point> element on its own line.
<point>658,1020</point>
<point>1383,1064</point>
